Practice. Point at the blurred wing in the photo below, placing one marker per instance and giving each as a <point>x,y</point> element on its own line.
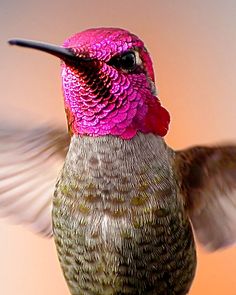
<point>208,185</point>
<point>29,164</point>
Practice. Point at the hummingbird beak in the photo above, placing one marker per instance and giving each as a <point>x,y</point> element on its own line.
<point>65,54</point>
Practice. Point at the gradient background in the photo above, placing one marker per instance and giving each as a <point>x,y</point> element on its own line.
<point>193,45</point>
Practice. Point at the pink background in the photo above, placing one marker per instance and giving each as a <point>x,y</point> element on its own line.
<point>193,45</point>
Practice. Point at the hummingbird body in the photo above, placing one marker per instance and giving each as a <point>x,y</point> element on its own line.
<point>119,223</point>
<point>125,203</point>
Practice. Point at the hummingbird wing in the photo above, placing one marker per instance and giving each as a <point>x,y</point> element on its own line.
<point>30,160</point>
<point>208,185</point>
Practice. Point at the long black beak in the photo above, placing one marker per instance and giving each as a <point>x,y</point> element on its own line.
<point>63,53</point>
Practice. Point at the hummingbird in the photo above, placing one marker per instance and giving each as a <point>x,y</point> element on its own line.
<point>125,204</point>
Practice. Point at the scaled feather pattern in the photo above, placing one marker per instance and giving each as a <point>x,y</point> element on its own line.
<point>102,100</point>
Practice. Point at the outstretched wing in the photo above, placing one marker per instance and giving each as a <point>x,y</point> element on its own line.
<point>208,184</point>
<point>30,160</point>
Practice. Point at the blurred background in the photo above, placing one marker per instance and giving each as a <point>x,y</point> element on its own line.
<point>193,46</point>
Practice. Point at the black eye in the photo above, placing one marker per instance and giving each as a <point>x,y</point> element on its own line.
<point>126,61</point>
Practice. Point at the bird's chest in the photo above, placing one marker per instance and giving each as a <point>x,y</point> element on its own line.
<point>117,220</point>
<point>112,190</point>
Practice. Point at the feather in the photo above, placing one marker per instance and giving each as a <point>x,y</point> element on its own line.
<point>30,160</point>
<point>208,185</point>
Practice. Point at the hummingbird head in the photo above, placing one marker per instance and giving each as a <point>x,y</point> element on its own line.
<point>108,84</point>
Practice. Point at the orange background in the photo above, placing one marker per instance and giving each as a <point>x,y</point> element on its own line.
<point>193,45</point>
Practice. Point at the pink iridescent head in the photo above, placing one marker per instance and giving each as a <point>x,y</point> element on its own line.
<point>108,84</point>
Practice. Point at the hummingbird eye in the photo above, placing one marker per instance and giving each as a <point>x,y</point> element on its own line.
<point>126,61</point>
